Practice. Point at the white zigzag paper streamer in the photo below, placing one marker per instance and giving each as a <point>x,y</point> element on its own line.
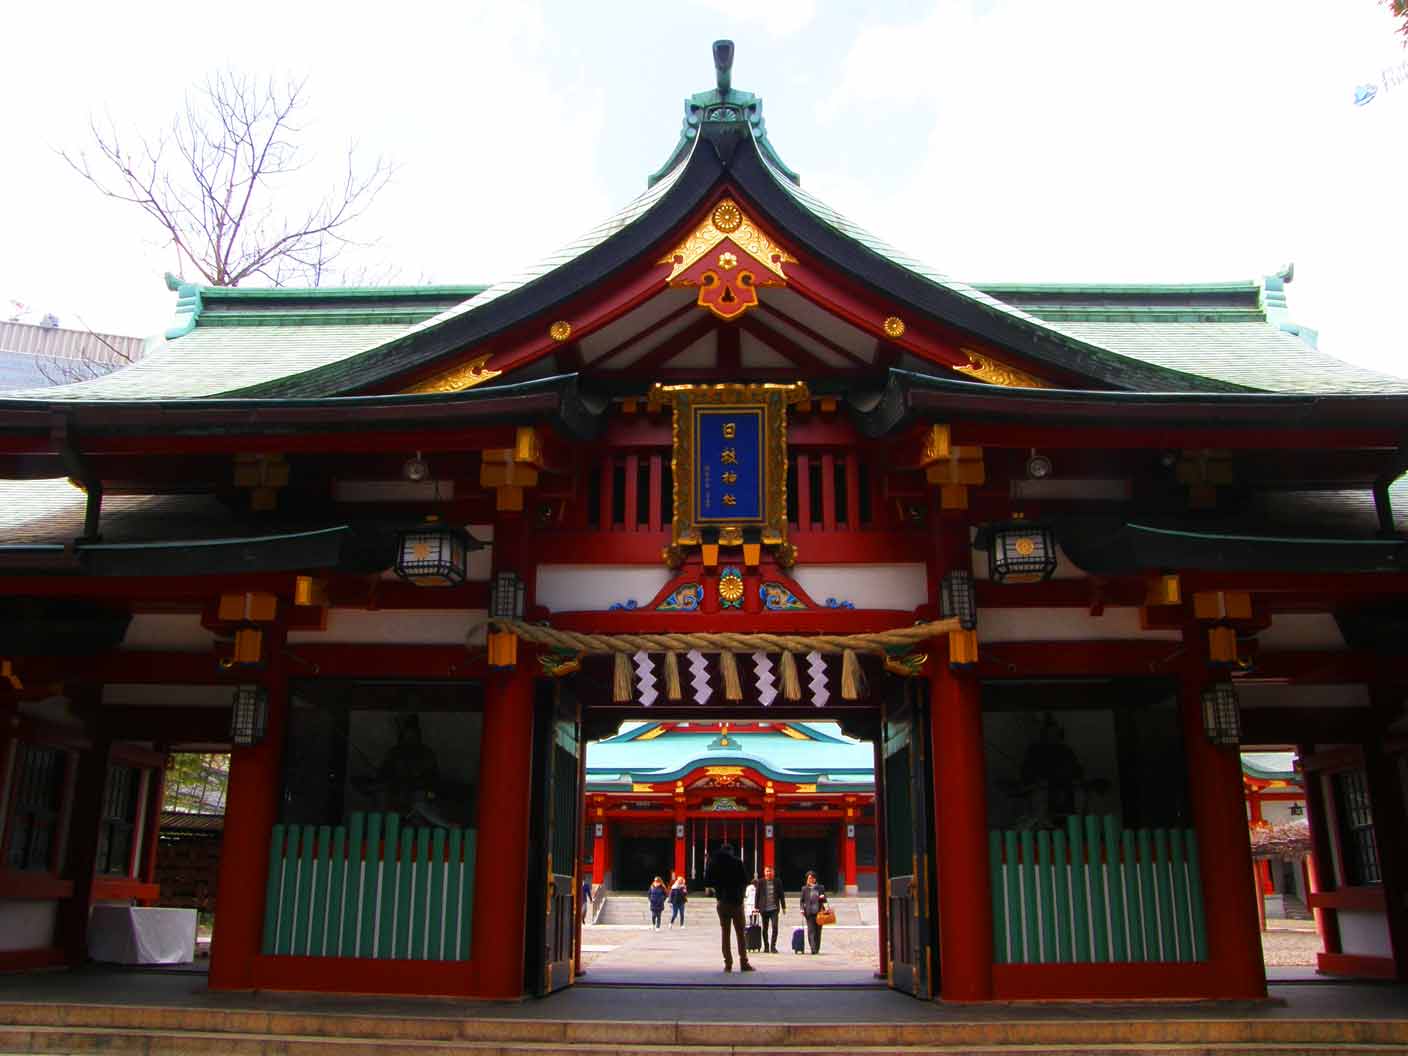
<point>699,676</point>
<point>645,679</point>
<point>816,667</point>
<point>767,683</point>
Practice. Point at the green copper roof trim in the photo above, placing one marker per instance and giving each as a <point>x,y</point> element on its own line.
<point>316,293</point>
<point>391,315</point>
<point>1117,314</point>
<point>188,308</point>
<point>997,288</point>
<point>723,105</point>
<point>1252,770</point>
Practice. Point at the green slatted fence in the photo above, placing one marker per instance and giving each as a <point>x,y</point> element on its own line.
<point>369,889</point>
<point>1095,892</point>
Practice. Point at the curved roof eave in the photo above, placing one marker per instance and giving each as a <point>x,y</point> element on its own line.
<point>633,231</point>
<point>907,396</point>
<point>725,151</point>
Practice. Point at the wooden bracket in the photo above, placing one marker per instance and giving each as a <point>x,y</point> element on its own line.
<point>509,470</point>
<point>263,475</point>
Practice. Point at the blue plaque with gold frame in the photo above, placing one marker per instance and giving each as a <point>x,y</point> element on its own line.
<point>729,460</point>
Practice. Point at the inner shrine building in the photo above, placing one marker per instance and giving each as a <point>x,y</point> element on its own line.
<point>1037,558</point>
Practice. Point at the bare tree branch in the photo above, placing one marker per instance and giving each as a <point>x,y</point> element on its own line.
<point>215,183</point>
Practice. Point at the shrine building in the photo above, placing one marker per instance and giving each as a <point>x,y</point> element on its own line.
<point>1041,557</point>
<point>798,797</point>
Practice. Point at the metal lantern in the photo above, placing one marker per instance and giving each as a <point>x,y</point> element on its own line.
<point>1022,553</point>
<point>1221,720</point>
<point>506,599</point>
<point>249,716</point>
<point>957,599</point>
<point>433,555</point>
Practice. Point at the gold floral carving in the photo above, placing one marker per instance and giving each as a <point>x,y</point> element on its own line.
<point>457,379</point>
<point>894,326</point>
<point>994,372</point>
<point>560,330</point>
<point>727,221</point>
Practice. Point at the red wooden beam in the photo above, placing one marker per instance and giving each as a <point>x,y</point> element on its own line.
<point>831,346</point>
<point>642,334</point>
<point>1069,659</point>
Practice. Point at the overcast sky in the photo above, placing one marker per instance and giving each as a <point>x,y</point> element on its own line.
<point>1085,140</point>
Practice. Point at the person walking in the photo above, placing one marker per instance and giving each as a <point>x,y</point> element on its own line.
<point>727,877</point>
<point>679,895</point>
<point>657,895</point>
<point>586,899</point>
<point>771,902</point>
<point>813,902</point>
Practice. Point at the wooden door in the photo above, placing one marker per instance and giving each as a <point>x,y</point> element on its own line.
<point>908,868</point>
<point>552,878</point>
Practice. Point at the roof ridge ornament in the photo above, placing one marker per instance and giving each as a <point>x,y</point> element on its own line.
<point>722,110</point>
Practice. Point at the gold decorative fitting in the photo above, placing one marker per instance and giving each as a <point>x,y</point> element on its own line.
<point>727,216</point>
<point>727,289</point>
<point>457,379</point>
<point>894,326</point>
<point>994,372</point>
<point>560,330</point>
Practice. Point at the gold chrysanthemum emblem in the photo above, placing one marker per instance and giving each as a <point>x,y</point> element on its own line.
<point>727,217</point>
<point>1025,547</point>
<point>731,586</point>
<point>727,261</point>
<point>894,326</point>
<point>560,330</point>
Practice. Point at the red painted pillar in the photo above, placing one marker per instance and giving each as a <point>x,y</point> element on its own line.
<point>600,848</point>
<point>679,847</point>
<point>849,856</point>
<point>85,817</point>
<point>251,809</point>
<point>961,847</point>
<point>1224,845</point>
<point>156,794</point>
<point>501,868</point>
<point>769,833</point>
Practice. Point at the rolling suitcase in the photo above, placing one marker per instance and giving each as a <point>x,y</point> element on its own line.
<point>799,940</point>
<point>754,934</point>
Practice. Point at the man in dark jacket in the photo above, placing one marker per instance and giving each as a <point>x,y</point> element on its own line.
<point>771,902</point>
<point>728,878</point>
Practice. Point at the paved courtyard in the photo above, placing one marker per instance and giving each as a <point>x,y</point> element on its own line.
<point>639,955</point>
<point>634,954</point>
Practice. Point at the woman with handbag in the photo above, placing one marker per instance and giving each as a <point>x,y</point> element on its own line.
<point>815,910</point>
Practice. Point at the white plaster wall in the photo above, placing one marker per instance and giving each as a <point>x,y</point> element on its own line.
<point>1278,812</point>
<point>595,588</point>
<point>27,924</point>
<point>1365,932</point>
<point>1065,625</point>
<point>900,586</point>
<point>397,627</point>
<point>1272,695</point>
<point>1291,631</point>
<point>177,632</point>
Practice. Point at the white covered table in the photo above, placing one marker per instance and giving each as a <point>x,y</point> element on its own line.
<point>142,935</point>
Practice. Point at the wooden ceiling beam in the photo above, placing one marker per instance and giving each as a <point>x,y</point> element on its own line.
<point>642,334</point>
<point>821,339</point>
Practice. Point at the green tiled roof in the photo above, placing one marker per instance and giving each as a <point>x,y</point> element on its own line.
<point>223,340</point>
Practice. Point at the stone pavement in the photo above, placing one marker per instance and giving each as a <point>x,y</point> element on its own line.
<point>634,955</point>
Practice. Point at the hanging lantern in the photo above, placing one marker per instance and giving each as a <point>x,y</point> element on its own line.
<point>249,716</point>
<point>433,555</point>
<point>1021,553</point>
<point>1221,720</point>
<point>957,600</point>
<point>506,599</point>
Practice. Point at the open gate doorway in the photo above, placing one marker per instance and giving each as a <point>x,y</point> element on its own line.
<point>899,905</point>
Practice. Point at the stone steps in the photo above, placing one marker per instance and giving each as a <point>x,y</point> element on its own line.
<point>68,1028</point>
